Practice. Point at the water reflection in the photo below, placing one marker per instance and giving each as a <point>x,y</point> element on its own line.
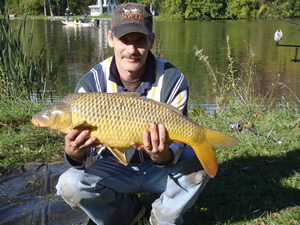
<point>85,34</point>
<point>75,50</point>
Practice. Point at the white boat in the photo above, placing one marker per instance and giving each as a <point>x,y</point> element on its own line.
<point>77,23</point>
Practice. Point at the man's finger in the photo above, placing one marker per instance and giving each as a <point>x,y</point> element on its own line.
<point>137,146</point>
<point>89,141</point>
<point>71,136</point>
<point>82,137</point>
<point>147,140</point>
<point>154,135</point>
<point>162,136</point>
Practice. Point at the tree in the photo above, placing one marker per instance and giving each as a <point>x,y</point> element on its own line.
<point>241,9</point>
<point>45,8</point>
<point>50,7</point>
<point>173,9</point>
<point>203,9</point>
<point>101,7</point>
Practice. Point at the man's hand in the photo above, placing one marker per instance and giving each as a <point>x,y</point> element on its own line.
<point>155,144</point>
<point>77,141</point>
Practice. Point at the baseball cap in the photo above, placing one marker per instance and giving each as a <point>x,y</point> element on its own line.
<point>131,17</point>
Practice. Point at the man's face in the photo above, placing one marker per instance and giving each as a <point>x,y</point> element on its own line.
<point>130,50</point>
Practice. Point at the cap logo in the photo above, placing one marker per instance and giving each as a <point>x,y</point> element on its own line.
<point>132,14</point>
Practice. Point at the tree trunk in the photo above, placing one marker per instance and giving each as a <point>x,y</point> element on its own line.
<point>100,7</point>
<point>50,7</point>
<point>45,9</point>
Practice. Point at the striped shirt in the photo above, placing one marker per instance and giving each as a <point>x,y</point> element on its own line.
<point>161,82</point>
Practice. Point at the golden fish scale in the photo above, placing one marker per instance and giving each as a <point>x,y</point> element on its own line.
<point>120,119</point>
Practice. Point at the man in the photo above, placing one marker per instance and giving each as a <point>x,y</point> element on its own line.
<point>68,14</point>
<point>100,185</point>
<point>85,15</point>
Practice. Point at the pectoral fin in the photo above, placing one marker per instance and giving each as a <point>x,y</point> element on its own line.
<point>119,155</point>
<point>81,124</point>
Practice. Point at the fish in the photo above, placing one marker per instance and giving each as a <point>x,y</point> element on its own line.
<point>118,119</point>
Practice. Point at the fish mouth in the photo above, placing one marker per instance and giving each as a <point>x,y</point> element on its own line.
<point>35,123</point>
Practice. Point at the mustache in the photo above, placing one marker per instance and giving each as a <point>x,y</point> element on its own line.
<point>132,56</point>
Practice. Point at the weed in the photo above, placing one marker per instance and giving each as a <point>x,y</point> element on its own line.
<point>239,84</point>
<point>21,73</point>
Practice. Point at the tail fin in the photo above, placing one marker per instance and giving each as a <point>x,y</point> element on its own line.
<point>205,150</point>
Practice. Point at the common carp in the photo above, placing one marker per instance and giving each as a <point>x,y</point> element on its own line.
<point>117,120</point>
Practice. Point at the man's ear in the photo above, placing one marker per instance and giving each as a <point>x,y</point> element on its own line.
<point>152,40</point>
<point>110,37</point>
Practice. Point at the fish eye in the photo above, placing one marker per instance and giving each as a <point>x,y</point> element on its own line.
<point>47,114</point>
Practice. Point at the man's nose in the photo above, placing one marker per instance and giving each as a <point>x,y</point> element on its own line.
<point>131,48</point>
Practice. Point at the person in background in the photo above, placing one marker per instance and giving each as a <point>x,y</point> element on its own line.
<point>85,14</point>
<point>68,13</point>
<point>97,182</point>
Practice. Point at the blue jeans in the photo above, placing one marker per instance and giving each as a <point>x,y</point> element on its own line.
<point>105,190</point>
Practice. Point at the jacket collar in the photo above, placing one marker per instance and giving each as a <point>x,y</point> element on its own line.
<point>148,78</point>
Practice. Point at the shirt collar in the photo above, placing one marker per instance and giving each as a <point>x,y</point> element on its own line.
<point>148,78</point>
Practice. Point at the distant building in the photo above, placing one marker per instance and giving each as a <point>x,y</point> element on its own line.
<point>107,7</point>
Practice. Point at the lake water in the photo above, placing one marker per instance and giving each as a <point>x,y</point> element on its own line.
<point>75,50</point>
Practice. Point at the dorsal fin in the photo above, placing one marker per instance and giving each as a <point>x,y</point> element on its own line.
<point>132,94</point>
<point>170,107</point>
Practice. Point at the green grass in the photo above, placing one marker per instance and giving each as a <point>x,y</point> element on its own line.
<point>258,181</point>
<point>20,141</point>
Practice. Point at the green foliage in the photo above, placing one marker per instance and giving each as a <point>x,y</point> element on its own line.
<point>296,8</point>
<point>289,8</point>
<point>204,9</point>
<point>78,7</point>
<point>230,9</point>
<point>238,9</point>
<point>2,6</point>
<point>145,2</point>
<point>36,7</point>
<point>21,73</point>
<point>33,7</point>
<point>172,9</point>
